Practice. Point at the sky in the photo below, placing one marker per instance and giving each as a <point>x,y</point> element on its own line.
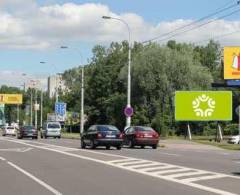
<point>32,31</point>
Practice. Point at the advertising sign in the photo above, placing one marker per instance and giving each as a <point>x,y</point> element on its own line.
<point>10,98</point>
<point>203,106</point>
<point>231,62</point>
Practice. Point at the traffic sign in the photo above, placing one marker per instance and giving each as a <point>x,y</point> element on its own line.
<point>128,111</point>
<point>60,108</point>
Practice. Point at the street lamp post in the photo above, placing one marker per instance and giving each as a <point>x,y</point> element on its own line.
<point>128,118</point>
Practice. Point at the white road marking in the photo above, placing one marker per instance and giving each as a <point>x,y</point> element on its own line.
<point>204,178</point>
<point>142,171</point>
<point>1,158</point>
<point>176,170</point>
<point>144,165</point>
<point>158,168</point>
<point>15,149</point>
<point>42,183</point>
<point>134,163</point>
<point>189,174</point>
<point>169,154</point>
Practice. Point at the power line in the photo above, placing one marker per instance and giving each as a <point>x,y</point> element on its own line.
<point>219,10</point>
<point>218,37</point>
<point>196,27</point>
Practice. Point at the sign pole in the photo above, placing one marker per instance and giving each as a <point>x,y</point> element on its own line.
<point>220,132</point>
<point>189,132</point>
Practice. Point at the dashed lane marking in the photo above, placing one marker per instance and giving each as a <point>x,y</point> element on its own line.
<point>157,172</point>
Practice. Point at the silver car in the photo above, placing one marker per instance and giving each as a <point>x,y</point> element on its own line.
<point>51,129</point>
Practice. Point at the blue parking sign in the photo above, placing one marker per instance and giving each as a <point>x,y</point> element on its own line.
<point>60,108</point>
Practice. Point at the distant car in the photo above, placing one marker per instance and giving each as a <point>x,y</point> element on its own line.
<point>9,130</point>
<point>27,131</point>
<point>51,129</point>
<point>141,136</point>
<point>234,139</point>
<point>102,135</point>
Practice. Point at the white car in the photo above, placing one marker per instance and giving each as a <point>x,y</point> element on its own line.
<point>234,139</point>
<point>9,130</point>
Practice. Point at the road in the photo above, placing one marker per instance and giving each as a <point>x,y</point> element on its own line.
<point>55,166</point>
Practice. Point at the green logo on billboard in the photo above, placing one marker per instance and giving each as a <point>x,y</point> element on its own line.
<point>203,105</point>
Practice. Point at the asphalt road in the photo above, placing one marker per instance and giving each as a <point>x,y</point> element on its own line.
<point>55,166</point>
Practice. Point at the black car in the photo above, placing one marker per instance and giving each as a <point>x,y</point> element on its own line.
<point>102,135</point>
<point>27,131</point>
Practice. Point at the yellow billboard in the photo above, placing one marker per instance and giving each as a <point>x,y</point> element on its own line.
<point>231,62</point>
<point>11,98</point>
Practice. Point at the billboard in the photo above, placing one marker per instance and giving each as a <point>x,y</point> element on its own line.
<point>11,98</point>
<point>231,62</point>
<point>203,105</point>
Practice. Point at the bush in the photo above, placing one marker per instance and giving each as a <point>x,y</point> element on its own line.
<point>231,129</point>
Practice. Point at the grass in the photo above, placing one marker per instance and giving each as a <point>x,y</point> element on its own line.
<point>70,135</point>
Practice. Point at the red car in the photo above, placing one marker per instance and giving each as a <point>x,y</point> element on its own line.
<point>141,136</point>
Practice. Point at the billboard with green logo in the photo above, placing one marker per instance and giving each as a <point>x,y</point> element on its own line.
<point>203,105</point>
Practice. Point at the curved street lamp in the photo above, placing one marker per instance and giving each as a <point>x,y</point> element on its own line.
<point>128,118</point>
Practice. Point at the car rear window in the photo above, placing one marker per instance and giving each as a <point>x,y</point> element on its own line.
<point>107,128</point>
<point>28,127</point>
<point>54,126</point>
<point>145,129</point>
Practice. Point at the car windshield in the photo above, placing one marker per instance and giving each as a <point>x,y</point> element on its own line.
<point>107,128</point>
<point>53,126</point>
<point>28,127</point>
<point>145,129</point>
<point>10,127</point>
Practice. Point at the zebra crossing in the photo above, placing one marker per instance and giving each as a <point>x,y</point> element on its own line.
<point>180,173</point>
<point>174,173</point>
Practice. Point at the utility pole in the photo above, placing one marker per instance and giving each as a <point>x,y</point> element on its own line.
<point>82,103</point>
<point>41,120</point>
<point>31,113</point>
<point>35,108</point>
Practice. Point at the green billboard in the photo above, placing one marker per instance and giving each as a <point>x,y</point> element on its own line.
<point>203,105</point>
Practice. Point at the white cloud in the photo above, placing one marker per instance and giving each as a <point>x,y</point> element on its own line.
<point>18,79</point>
<point>36,27</point>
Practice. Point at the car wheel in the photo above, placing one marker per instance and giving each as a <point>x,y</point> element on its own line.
<point>92,145</point>
<point>154,146</point>
<point>108,147</point>
<point>142,147</point>
<point>59,137</point>
<point>83,145</point>
<point>119,147</point>
<point>130,144</point>
<point>3,135</point>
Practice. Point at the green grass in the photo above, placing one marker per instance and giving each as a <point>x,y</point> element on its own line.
<point>71,135</point>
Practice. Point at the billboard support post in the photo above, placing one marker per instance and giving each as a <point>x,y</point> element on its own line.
<point>220,136</point>
<point>189,132</point>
